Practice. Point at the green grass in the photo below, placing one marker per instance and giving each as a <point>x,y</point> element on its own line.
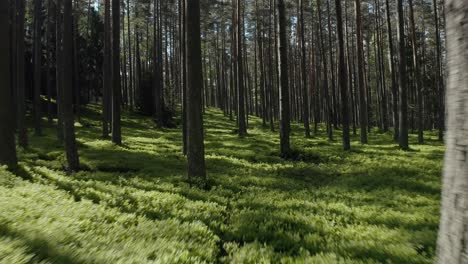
<point>133,204</point>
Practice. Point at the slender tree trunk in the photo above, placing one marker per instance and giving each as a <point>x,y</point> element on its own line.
<point>403,104</point>
<point>285,126</point>
<point>59,68</point>
<point>391,58</point>
<point>240,73</point>
<point>107,71</point>
<point>342,77</point>
<point>451,243</point>
<point>417,75</point>
<point>116,93</point>
<point>361,81</point>
<point>305,96</point>
<point>7,122</point>
<point>21,76</point>
<point>195,145</point>
<point>37,66</point>
<point>438,77</point>
<point>68,120</point>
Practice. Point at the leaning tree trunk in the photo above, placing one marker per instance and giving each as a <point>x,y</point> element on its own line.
<point>285,125</point>
<point>452,241</point>
<point>195,145</point>
<point>68,120</point>
<point>7,127</point>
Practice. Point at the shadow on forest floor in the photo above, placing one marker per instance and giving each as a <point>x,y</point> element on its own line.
<point>374,203</point>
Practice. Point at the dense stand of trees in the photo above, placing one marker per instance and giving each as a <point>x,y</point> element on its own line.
<point>338,63</point>
<point>282,61</point>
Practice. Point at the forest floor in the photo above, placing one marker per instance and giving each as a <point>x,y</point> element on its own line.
<point>132,203</point>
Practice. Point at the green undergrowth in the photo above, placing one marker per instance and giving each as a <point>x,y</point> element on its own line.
<point>133,203</point>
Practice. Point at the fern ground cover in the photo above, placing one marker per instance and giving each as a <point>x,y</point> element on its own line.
<point>132,203</point>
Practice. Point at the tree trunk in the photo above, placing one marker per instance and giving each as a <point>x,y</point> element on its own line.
<point>361,81</point>
<point>342,77</point>
<point>195,145</point>
<point>68,120</point>
<point>438,76</point>
<point>107,71</point>
<point>417,75</point>
<point>20,75</point>
<point>37,66</point>
<point>391,56</point>
<point>7,125</point>
<point>240,73</point>
<point>403,104</point>
<point>285,126</point>
<point>116,93</point>
<point>451,243</point>
<point>305,96</point>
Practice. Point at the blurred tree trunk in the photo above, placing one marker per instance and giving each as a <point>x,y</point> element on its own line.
<point>20,75</point>
<point>451,243</point>
<point>68,120</point>
<point>7,125</point>
<point>107,72</point>
<point>37,66</point>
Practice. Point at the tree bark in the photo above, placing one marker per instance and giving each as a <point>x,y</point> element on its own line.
<point>361,81</point>
<point>305,94</point>
<point>68,120</point>
<point>116,93</point>
<point>451,243</point>
<point>107,71</point>
<point>285,126</point>
<point>402,92</point>
<point>342,77</point>
<point>240,73</point>
<point>195,145</point>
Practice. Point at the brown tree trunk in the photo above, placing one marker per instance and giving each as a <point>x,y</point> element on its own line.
<point>361,81</point>
<point>285,126</point>
<point>195,145</point>
<point>305,96</point>
<point>116,93</point>
<point>68,120</point>
<point>240,72</point>
<point>107,71</point>
<point>402,92</point>
<point>342,77</point>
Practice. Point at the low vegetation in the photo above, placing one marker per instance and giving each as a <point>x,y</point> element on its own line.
<point>133,203</point>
